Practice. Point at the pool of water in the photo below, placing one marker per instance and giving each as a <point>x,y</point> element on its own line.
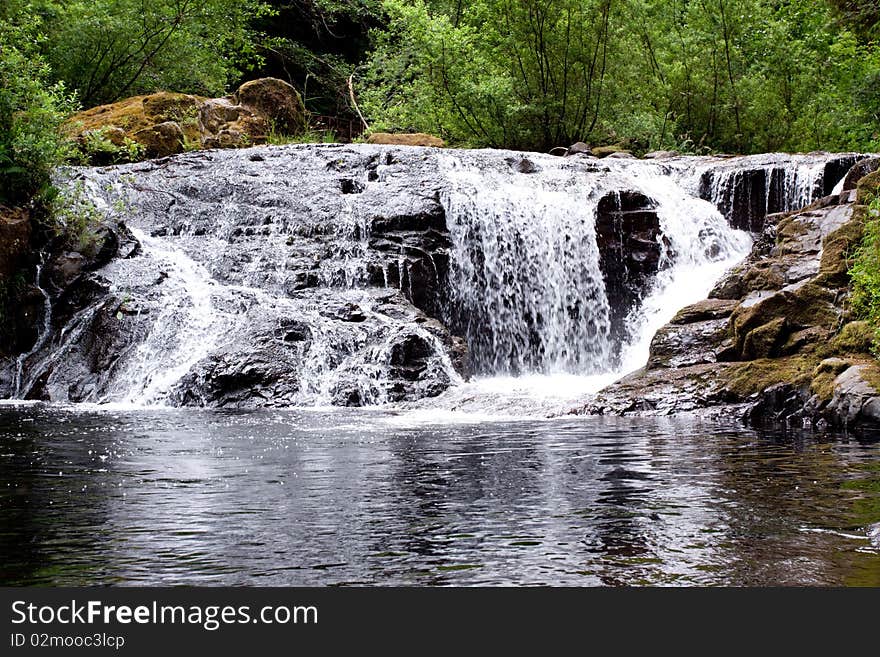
<point>358,497</point>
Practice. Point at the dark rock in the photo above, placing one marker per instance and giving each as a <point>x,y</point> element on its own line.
<point>705,310</point>
<point>525,165</point>
<point>628,236</point>
<point>579,147</point>
<point>15,241</point>
<point>858,171</point>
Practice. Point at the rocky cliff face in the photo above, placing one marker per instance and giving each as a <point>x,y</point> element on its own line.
<point>774,342</point>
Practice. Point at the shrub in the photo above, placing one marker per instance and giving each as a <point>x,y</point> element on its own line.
<point>31,111</point>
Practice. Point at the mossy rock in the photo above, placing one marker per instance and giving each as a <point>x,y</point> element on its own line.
<point>868,187</point>
<point>165,122</point>
<point>277,100</point>
<point>854,338</point>
<point>161,139</point>
<point>806,306</point>
<point>605,151</point>
<point>406,139</point>
<point>765,341</point>
<point>837,248</point>
<point>755,376</point>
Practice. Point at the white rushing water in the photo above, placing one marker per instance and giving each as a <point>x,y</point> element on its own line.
<point>525,270</point>
<point>188,328</point>
<point>526,286</point>
<point>42,337</point>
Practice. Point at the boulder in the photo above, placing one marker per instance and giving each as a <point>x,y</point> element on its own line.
<point>165,123</point>
<point>275,100</point>
<point>579,148</point>
<point>628,236</point>
<point>858,171</point>
<point>161,139</point>
<point>405,139</point>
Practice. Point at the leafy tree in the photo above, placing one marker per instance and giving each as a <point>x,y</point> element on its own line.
<point>733,75</point>
<point>108,49</point>
<point>31,108</point>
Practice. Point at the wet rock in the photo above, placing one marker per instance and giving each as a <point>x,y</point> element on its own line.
<point>775,334</point>
<point>677,345</point>
<point>660,155</point>
<point>525,165</point>
<point>855,401</point>
<point>15,241</point>
<point>628,236</point>
<point>578,148</point>
<point>705,310</point>
<point>858,171</point>
<point>746,194</point>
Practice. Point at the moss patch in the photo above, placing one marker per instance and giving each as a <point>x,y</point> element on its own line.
<point>868,186</point>
<point>755,376</point>
<point>854,338</point>
<point>838,249</point>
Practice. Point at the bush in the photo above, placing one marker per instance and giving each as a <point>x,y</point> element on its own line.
<point>110,49</point>
<point>31,111</point>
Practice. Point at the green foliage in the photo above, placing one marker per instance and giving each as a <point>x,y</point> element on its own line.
<point>732,75</point>
<point>75,219</point>
<point>99,148</point>
<point>865,272</point>
<point>317,45</point>
<point>109,49</point>
<point>31,109</point>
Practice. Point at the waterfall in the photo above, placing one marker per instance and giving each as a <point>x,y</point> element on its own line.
<point>526,283</point>
<point>369,275</point>
<point>188,326</point>
<point>526,288</point>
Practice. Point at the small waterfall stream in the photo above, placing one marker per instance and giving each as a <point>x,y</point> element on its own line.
<point>43,335</point>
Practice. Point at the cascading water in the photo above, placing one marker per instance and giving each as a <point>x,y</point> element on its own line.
<point>187,329</point>
<point>313,275</point>
<point>526,286</point>
<point>42,336</point>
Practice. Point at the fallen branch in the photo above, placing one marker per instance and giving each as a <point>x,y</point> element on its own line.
<point>354,102</point>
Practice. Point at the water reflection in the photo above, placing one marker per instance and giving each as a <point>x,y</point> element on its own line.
<point>359,497</point>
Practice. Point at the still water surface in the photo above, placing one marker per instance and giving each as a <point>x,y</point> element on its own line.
<point>354,497</point>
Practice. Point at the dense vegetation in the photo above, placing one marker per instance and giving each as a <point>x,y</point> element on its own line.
<point>865,268</point>
<point>734,75</point>
<point>697,75</point>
